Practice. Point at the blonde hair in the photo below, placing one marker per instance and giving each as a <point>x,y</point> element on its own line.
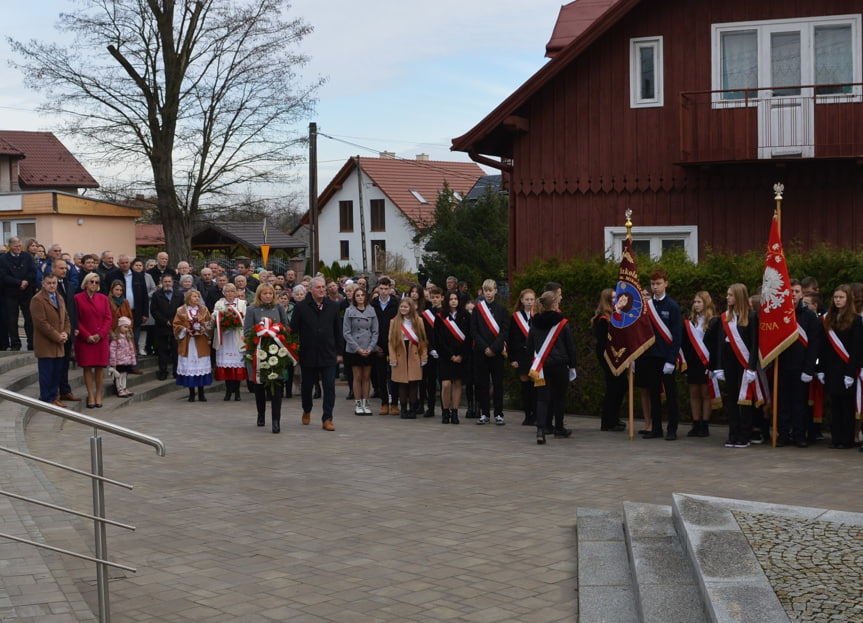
<point>264,287</point>
<point>396,337</point>
<point>489,284</point>
<point>741,304</point>
<point>709,308</point>
<point>605,307</point>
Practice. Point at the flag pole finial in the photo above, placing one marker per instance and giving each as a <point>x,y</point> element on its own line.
<point>778,189</point>
<point>628,214</point>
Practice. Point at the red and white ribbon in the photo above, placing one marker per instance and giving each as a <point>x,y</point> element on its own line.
<point>489,319</point>
<point>664,331</point>
<point>522,322</point>
<point>410,335</point>
<point>457,333</point>
<point>541,355</point>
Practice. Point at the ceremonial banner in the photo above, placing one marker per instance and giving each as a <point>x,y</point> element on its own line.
<point>777,322</point>
<point>630,332</point>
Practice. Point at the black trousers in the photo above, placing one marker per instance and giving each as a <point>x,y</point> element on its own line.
<point>551,397</point>
<point>166,349</point>
<point>262,395</point>
<point>842,418</point>
<point>616,387</point>
<point>386,388</point>
<point>652,378</point>
<point>793,398</point>
<point>739,416</point>
<point>12,305</point>
<point>485,367</point>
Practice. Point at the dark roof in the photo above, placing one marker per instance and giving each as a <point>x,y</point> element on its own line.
<point>398,177</point>
<point>7,149</point>
<point>573,19</point>
<point>47,163</point>
<point>493,135</point>
<point>494,182</point>
<point>250,235</point>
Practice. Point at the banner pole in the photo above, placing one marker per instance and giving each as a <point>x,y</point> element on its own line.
<point>778,188</point>
<point>631,402</point>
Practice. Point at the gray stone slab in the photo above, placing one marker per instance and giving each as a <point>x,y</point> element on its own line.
<point>648,520</point>
<point>672,604</point>
<point>607,604</point>
<point>599,525</point>
<point>603,563</point>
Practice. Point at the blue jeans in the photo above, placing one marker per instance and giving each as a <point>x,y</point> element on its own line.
<point>328,385</point>
<point>50,370</point>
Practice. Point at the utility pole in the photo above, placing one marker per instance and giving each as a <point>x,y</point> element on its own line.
<point>313,195</point>
<point>362,215</point>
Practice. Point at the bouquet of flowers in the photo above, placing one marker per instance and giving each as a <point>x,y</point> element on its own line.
<point>270,348</point>
<point>230,319</point>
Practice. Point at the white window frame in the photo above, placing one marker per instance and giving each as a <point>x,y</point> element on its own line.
<point>9,227</point>
<point>687,233</point>
<point>635,47</point>
<point>806,26</point>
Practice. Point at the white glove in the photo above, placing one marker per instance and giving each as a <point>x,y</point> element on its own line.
<point>434,354</point>
<point>572,375</point>
<point>848,381</point>
<point>423,363</point>
<point>668,368</point>
<point>393,364</point>
<point>749,376</point>
<point>806,378</point>
<point>820,376</point>
<point>719,375</point>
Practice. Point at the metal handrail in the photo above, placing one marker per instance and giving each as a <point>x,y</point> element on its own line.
<point>98,481</point>
<point>86,420</point>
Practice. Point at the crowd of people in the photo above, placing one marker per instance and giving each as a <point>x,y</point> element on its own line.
<point>417,349</point>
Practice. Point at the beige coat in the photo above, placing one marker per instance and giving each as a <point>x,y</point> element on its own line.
<point>48,323</point>
<point>202,342</point>
<point>408,362</point>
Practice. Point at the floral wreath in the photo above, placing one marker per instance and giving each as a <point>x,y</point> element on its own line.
<point>271,348</point>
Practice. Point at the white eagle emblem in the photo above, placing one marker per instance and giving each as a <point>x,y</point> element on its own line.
<point>772,292</point>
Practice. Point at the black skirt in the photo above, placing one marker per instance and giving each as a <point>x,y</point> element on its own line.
<point>355,360</point>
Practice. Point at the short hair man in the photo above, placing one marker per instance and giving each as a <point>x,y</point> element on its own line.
<point>66,292</point>
<point>51,331</point>
<point>163,307</point>
<point>489,325</point>
<point>317,323</point>
<point>18,279</point>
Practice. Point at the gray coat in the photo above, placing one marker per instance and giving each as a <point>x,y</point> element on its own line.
<point>360,329</point>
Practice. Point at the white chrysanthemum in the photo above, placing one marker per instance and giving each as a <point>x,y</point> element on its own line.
<point>265,365</point>
<point>272,376</point>
<point>273,361</point>
<point>273,349</point>
<point>261,355</point>
<point>283,352</point>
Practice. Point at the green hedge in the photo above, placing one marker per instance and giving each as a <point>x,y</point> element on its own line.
<point>583,279</point>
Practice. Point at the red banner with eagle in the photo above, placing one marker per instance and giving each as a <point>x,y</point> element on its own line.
<point>777,322</point>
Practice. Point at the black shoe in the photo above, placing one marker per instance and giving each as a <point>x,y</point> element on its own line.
<point>471,415</point>
<point>276,427</point>
<point>562,433</point>
<point>429,412</point>
<point>162,375</point>
<point>654,434</point>
<point>453,416</point>
<point>671,436</point>
<point>644,431</point>
<point>838,446</point>
<point>782,441</point>
<point>261,420</point>
<point>445,418</point>
<point>695,430</point>
<point>201,396</point>
<point>227,396</point>
<point>620,426</point>
<point>540,437</point>
<point>704,431</point>
<point>801,443</point>
<point>528,420</point>
<point>237,396</point>
<point>350,395</point>
<point>191,397</point>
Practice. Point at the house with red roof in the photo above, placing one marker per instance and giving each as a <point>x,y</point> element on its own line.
<point>398,197</point>
<point>42,188</point>
<point>686,112</point>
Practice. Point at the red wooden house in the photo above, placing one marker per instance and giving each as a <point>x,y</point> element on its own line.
<point>687,112</point>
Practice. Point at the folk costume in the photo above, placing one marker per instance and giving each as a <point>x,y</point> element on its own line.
<point>192,329</point>
<point>230,347</point>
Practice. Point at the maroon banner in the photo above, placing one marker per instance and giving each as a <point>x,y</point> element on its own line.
<point>777,322</point>
<point>630,332</point>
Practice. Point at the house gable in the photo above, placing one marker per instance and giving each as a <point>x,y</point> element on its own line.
<point>47,164</point>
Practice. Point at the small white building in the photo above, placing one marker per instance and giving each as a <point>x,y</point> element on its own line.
<point>398,198</point>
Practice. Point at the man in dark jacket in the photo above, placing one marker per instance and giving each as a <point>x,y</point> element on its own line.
<point>18,275</point>
<point>66,293</point>
<point>386,307</point>
<point>318,326</point>
<point>163,306</point>
<point>136,290</point>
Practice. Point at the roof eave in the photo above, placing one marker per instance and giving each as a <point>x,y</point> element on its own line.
<point>474,139</point>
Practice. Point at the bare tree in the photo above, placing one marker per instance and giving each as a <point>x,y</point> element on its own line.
<point>205,93</point>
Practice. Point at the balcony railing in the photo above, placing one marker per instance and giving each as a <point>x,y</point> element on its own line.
<point>799,121</point>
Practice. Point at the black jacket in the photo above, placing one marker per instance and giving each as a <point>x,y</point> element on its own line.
<point>481,332</point>
<point>447,345</point>
<point>164,309</point>
<point>14,270</point>
<point>385,316</point>
<point>563,350</point>
<point>798,358</point>
<point>319,330</point>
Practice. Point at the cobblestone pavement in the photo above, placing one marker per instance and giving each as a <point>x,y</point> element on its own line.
<point>386,519</point>
<point>816,568</point>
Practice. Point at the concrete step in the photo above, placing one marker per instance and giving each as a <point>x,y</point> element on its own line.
<point>604,579</point>
<point>732,582</point>
<point>666,590</point>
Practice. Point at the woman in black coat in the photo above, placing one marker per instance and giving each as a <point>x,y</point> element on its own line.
<point>615,386</point>
<point>556,364</point>
<point>519,357</point>
<point>452,339</point>
<point>840,361</point>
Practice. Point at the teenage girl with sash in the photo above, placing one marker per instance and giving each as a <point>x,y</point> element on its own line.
<point>615,386</point>
<point>519,357</point>
<point>700,332</point>
<point>452,338</point>
<point>553,367</point>
<point>408,353</point>
<point>736,361</point>
<point>840,362</point>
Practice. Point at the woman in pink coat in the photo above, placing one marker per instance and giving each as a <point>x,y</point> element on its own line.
<point>91,339</point>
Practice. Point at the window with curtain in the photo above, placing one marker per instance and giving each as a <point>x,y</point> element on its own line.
<point>739,61</point>
<point>834,58</point>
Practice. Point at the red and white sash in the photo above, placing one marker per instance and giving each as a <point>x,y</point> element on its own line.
<point>410,335</point>
<point>489,319</point>
<point>664,331</point>
<point>754,390</point>
<point>801,335</point>
<point>428,315</point>
<point>703,355</point>
<point>842,352</point>
<point>542,354</point>
<point>522,323</point>
<point>457,333</point>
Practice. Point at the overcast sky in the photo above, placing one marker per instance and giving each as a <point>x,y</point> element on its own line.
<point>402,75</point>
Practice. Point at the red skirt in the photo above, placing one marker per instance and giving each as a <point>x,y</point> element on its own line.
<point>231,374</point>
